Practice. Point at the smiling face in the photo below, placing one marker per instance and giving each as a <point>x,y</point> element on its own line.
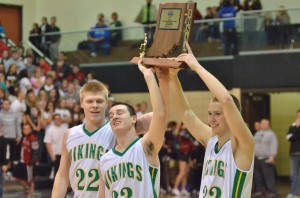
<point>94,105</point>
<point>121,119</point>
<point>216,118</point>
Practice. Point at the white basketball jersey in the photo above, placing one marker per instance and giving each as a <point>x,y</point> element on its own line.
<point>129,174</point>
<point>85,150</point>
<point>220,175</point>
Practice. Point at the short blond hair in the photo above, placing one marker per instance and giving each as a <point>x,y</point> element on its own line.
<point>235,100</point>
<point>93,86</point>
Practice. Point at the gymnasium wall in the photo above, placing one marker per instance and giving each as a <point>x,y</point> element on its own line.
<point>283,113</point>
<point>74,15</point>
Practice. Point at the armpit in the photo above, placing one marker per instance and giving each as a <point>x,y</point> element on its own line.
<point>149,148</point>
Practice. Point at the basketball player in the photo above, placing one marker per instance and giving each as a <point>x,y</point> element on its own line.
<point>228,162</point>
<point>131,169</point>
<point>83,145</point>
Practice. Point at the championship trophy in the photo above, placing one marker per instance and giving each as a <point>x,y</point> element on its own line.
<point>174,23</point>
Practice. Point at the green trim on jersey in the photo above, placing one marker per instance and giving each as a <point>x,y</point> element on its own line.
<point>216,147</point>
<point>153,174</point>
<point>130,145</point>
<point>93,132</point>
<point>238,184</point>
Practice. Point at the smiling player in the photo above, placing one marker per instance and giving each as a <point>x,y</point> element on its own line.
<point>228,163</point>
<point>131,169</point>
<point>83,145</point>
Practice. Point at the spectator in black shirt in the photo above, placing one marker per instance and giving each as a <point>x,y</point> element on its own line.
<point>54,39</point>
<point>293,136</point>
<point>3,161</point>
<point>35,35</point>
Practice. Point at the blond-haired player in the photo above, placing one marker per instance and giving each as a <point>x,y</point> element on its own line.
<point>83,145</point>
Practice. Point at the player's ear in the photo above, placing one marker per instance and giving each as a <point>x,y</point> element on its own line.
<point>134,119</point>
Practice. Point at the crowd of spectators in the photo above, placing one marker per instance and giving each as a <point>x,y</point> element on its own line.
<point>104,35</point>
<point>39,101</point>
<point>275,26</point>
<point>43,101</point>
<point>46,37</point>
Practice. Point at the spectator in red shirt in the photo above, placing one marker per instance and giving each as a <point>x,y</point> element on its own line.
<point>3,47</point>
<point>29,157</point>
<point>45,67</point>
<point>76,73</point>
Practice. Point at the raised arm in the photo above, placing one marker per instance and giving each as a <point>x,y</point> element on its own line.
<point>242,139</point>
<point>153,140</point>
<point>62,176</point>
<point>197,128</point>
<point>143,122</point>
<point>163,79</point>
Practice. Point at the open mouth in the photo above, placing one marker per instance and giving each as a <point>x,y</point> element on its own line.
<point>116,123</point>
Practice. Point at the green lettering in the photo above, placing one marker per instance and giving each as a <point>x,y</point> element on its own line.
<point>139,174</point>
<point>130,171</point>
<point>74,154</point>
<point>124,170</point>
<point>108,175</point>
<point>207,167</point>
<point>99,152</point>
<point>221,169</point>
<point>106,182</point>
<point>113,173</point>
<point>92,151</point>
<point>80,147</point>
<point>120,170</point>
<point>87,151</point>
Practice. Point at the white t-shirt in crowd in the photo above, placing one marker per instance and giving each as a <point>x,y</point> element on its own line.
<point>54,136</point>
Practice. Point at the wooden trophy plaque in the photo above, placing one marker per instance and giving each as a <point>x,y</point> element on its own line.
<point>174,23</point>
